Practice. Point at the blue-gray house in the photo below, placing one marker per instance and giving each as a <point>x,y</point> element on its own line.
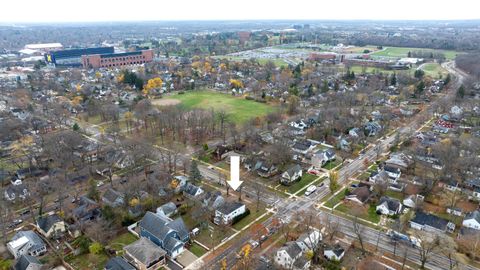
<point>170,235</point>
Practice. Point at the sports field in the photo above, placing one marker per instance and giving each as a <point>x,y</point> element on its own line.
<point>434,70</point>
<point>239,109</point>
<point>403,52</point>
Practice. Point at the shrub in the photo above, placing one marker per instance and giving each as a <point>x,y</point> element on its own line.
<point>240,217</point>
<point>95,248</point>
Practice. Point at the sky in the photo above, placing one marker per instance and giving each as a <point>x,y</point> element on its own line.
<point>167,10</point>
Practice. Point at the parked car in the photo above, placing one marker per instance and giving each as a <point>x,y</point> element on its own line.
<point>311,189</point>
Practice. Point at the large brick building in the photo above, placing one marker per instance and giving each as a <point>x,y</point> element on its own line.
<point>117,59</point>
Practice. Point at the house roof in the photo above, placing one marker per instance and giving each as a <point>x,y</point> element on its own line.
<point>293,169</point>
<point>31,236</point>
<point>25,261</point>
<point>301,262</point>
<point>392,204</point>
<point>118,263</point>
<point>171,243</point>
<point>160,226</point>
<point>337,250</point>
<point>168,208</point>
<point>430,220</point>
<point>473,215</point>
<point>145,251</point>
<point>46,222</point>
<point>229,207</point>
<point>112,195</point>
<point>391,169</point>
<point>191,189</point>
<point>292,248</point>
<point>361,193</point>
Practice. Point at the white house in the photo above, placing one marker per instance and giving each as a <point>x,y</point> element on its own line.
<point>26,243</point>
<point>389,206</point>
<point>334,253</point>
<point>291,256</point>
<point>291,175</point>
<point>413,200</point>
<point>472,220</point>
<point>228,211</point>
<point>309,240</point>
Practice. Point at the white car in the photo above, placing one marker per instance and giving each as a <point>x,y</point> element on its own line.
<point>311,189</point>
<point>99,183</point>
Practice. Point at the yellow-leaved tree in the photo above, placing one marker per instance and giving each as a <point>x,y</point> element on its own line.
<point>236,83</point>
<point>152,84</point>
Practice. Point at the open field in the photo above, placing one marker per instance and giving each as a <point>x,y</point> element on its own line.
<point>403,52</point>
<point>434,70</point>
<point>279,62</point>
<point>239,109</point>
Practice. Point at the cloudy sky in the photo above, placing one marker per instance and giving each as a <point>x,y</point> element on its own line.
<point>135,10</point>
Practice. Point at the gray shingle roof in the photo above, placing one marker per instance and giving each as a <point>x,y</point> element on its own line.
<point>430,220</point>
<point>392,204</point>
<point>46,222</point>
<point>25,261</point>
<point>145,251</point>
<point>292,249</point>
<point>229,207</point>
<point>474,215</point>
<point>118,263</point>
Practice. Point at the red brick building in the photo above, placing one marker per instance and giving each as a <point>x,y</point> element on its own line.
<point>117,59</point>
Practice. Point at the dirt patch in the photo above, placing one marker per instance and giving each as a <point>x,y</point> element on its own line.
<point>165,102</point>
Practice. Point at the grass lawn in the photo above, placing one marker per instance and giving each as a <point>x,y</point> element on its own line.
<point>122,240</point>
<point>239,109</point>
<point>333,201</point>
<point>403,52</point>
<point>88,261</point>
<point>332,164</point>
<point>364,176</point>
<point>197,250</point>
<point>279,62</point>
<point>205,237</point>
<point>248,219</point>
<point>394,194</point>
<point>434,70</point>
<point>370,215</point>
<point>304,181</point>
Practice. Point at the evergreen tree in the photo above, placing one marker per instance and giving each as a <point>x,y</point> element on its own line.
<point>420,87</point>
<point>448,79</point>
<point>76,127</point>
<point>393,79</point>
<point>419,73</point>
<point>461,91</point>
<point>325,86</point>
<point>195,175</point>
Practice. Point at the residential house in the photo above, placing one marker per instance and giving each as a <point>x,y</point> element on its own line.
<point>303,147</point>
<point>472,220</point>
<point>359,195</point>
<point>191,191</point>
<point>334,253</point>
<point>388,206</point>
<point>288,255</point>
<point>266,169</point>
<point>170,235</point>
<point>118,263</point>
<point>379,177</point>
<point>212,200</point>
<point>86,210</point>
<point>291,175</point>
<point>168,209</point>
<point>474,186</point>
<point>392,172</point>
<point>413,200</point>
<point>372,129</point>
<point>455,211</point>
<point>228,211</point>
<point>309,240</point>
<point>26,243</point>
<point>431,223</point>
<point>320,158</point>
<point>87,152</point>
<point>145,255</point>
<point>113,198</point>
<point>27,262</point>
<point>178,183</point>
<point>399,160</point>
<point>17,190</point>
<point>51,226</point>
